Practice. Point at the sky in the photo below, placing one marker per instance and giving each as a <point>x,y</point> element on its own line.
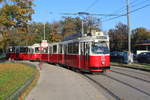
<point>51,10</point>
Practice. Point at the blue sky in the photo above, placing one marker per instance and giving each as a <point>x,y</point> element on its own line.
<point>140,18</point>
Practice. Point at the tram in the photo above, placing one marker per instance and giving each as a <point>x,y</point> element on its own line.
<point>86,53</point>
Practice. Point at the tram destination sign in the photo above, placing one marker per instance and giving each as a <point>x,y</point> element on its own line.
<point>44,44</point>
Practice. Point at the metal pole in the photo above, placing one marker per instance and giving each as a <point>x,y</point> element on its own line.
<point>44,31</point>
<point>129,32</point>
<point>82,28</point>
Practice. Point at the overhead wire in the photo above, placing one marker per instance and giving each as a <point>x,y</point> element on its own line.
<point>132,5</point>
<point>147,5</point>
<point>95,1</point>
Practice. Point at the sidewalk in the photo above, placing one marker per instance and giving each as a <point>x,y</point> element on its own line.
<point>56,83</point>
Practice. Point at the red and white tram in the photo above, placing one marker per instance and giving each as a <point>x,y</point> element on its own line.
<point>18,52</point>
<point>87,53</point>
<point>90,53</point>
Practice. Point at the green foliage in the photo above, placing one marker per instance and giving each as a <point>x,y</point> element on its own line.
<point>14,17</point>
<point>55,37</point>
<point>13,76</point>
<point>139,35</point>
<point>118,38</point>
<point>70,26</point>
<point>73,25</point>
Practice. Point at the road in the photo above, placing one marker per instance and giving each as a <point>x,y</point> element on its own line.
<point>122,84</point>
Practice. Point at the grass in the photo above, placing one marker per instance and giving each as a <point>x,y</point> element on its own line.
<point>12,77</point>
<point>133,65</point>
<point>30,87</point>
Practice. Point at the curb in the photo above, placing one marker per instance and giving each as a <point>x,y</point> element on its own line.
<point>15,95</point>
<point>147,70</point>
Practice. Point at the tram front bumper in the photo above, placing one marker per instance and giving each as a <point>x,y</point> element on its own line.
<point>100,68</point>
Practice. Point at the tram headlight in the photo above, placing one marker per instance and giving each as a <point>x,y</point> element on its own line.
<point>103,62</point>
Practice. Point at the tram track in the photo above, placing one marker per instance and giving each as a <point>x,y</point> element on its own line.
<point>129,85</point>
<point>141,79</point>
<point>103,87</point>
<point>130,70</point>
<point>114,92</point>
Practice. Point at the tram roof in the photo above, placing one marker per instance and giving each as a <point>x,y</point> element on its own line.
<point>87,39</point>
<point>94,36</point>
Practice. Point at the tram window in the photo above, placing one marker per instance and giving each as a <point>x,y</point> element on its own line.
<point>29,50</point>
<point>60,48</point>
<point>50,50</point>
<point>100,48</point>
<point>54,49</point>
<point>23,49</point>
<point>11,49</point>
<point>76,48</point>
<point>36,49</point>
<point>70,48</point>
<point>45,50</point>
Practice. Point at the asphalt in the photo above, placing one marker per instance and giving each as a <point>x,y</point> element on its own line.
<point>57,83</point>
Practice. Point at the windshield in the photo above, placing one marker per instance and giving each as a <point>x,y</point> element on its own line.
<point>100,48</point>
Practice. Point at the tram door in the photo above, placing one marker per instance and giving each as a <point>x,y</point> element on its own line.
<point>61,56</point>
<point>84,54</point>
<point>17,53</point>
<point>65,54</point>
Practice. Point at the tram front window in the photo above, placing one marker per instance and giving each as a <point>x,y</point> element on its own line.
<point>100,48</point>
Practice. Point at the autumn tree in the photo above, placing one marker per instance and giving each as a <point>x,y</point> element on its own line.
<point>118,38</point>
<point>138,35</point>
<point>14,17</point>
<point>70,26</point>
<point>17,14</point>
<point>74,25</point>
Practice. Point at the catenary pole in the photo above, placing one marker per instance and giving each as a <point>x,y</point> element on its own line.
<point>129,31</point>
<point>44,31</point>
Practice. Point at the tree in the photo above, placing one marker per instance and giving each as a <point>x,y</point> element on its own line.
<point>118,38</point>
<point>54,37</point>
<point>69,26</point>
<point>91,23</point>
<point>16,15</point>
<point>14,18</point>
<point>138,35</point>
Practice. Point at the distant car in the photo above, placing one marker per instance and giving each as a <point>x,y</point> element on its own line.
<point>143,57</point>
<point>119,57</point>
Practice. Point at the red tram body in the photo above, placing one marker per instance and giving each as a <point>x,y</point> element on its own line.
<point>87,53</point>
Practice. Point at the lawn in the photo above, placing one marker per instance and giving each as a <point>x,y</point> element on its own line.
<point>133,65</point>
<point>12,77</point>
